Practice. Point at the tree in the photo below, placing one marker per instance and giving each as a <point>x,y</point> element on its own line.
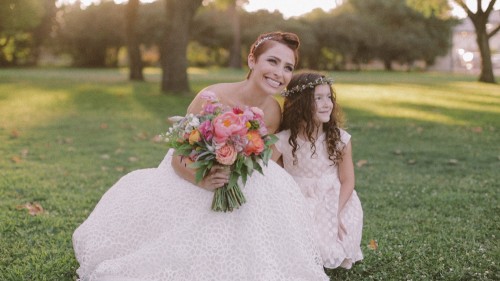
<point>133,45</point>
<point>92,36</point>
<point>233,8</point>
<point>17,19</point>
<point>180,14</point>
<point>479,20</point>
<point>402,34</point>
<point>42,31</point>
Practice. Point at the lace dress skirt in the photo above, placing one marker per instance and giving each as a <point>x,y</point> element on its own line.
<point>153,225</point>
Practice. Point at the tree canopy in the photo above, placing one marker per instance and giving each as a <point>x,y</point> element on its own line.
<point>355,33</point>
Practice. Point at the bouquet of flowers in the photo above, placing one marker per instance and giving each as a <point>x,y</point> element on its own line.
<point>220,135</point>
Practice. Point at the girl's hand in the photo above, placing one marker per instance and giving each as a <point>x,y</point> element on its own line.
<point>217,177</point>
<point>342,231</point>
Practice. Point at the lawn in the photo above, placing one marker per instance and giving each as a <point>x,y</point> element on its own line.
<point>425,145</point>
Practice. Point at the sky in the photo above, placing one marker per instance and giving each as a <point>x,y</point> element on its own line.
<point>291,8</point>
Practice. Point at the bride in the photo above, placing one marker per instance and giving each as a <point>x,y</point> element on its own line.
<point>157,224</point>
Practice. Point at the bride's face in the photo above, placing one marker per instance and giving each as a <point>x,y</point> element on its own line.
<point>273,69</point>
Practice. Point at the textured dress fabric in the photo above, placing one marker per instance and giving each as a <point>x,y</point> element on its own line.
<point>319,182</point>
<point>154,225</point>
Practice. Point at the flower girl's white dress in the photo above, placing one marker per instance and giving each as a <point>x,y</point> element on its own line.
<point>320,184</point>
<point>154,225</point>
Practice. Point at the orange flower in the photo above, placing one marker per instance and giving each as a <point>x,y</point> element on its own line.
<point>194,137</point>
<point>255,143</point>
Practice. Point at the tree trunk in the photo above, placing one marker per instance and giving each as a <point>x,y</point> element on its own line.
<point>388,64</point>
<point>235,53</point>
<point>41,32</point>
<point>480,19</point>
<point>484,49</point>
<point>133,46</point>
<point>174,48</point>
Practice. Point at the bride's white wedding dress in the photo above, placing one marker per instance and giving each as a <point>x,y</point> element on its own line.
<point>153,225</point>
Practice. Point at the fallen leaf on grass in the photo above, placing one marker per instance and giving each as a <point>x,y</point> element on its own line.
<point>412,161</point>
<point>65,140</point>
<point>453,161</point>
<point>477,130</point>
<point>103,126</point>
<point>398,152</point>
<point>142,135</point>
<point>25,152</point>
<point>373,245</point>
<point>105,156</point>
<point>16,159</point>
<point>14,134</point>
<point>120,169</point>
<point>133,159</point>
<point>33,208</point>
<point>361,163</point>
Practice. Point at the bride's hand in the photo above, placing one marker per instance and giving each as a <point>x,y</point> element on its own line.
<point>217,177</point>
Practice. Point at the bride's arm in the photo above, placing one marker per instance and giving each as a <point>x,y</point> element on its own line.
<point>217,176</point>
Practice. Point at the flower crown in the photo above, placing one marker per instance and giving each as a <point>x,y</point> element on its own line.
<point>312,85</point>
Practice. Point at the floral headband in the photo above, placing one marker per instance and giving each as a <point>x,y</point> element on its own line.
<point>312,85</point>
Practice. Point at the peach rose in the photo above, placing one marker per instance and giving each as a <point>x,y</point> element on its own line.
<point>195,136</point>
<point>255,143</point>
<point>226,155</point>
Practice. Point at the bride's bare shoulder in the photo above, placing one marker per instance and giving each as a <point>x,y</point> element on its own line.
<point>220,90</point>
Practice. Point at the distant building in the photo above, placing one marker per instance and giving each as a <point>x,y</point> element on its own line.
<point>464,56</point>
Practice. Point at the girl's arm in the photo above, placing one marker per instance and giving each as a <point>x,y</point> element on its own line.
<point>346,176</point>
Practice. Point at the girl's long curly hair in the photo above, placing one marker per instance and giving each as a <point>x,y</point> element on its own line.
<point>299,110</point>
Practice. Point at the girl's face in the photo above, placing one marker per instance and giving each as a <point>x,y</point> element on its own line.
<point>272,71</point>
<point>324,104</point>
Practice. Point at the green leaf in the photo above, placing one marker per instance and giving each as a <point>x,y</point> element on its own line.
<point>266,155</point>
<point>233,180</point>
<point>258,167</point>
<point>239,163</point>
<point>200,174</point>
<point>244,176</point>
<point>270,140</point>
<point>249,163</point>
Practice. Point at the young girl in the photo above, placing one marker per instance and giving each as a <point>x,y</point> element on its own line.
<point>317,153</point>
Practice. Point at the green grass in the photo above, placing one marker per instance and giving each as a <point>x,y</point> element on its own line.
<point>429,189</point>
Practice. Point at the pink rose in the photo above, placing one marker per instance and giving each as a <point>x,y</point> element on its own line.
<point>228,124</point>
<point>255,143</point>
<point>210,108</point>
<point>226,155</point>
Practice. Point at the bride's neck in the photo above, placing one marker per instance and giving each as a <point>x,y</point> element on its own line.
<point>250,96</point>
